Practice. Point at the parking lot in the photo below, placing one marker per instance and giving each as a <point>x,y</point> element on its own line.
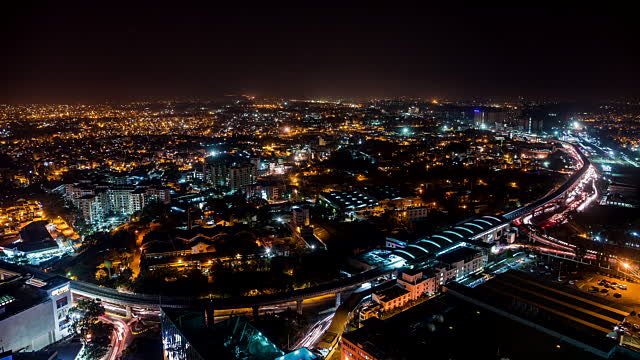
<point>593,283</point>
<point>567,273</point>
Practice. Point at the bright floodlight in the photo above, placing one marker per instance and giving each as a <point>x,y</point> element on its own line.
<point>405,130</point>
<point>626,266</point>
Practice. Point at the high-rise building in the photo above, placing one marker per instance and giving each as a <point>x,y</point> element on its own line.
<point>96,201</point>
<point>301,216</point>
<point>230,172</point>
<point>241,176</point>
<point>479,119</point>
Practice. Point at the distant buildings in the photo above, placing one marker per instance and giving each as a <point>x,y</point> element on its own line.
<point>230,172</point>
<point>270,190</point>
<point>97,201</point>
<point>373,200</point>
<point>22,211</point>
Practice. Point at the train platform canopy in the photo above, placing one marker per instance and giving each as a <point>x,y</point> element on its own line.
<point>447,240</point>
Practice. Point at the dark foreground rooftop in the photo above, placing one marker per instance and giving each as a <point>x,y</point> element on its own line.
<point>448,327</point>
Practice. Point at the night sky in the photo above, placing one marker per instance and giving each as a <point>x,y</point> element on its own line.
<point>76,53</point>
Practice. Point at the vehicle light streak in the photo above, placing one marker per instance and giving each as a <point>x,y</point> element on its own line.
<point>315,333</point>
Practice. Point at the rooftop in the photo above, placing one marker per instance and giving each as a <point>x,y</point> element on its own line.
<point>35,231</point>
<point>448,328</point>
<point>391,293</point>
<point>572,313</point>
<point>349,200</point>
<point>438,243</point>
<point>459,254</point>
<point>16,297</point>
<point>231,339</point>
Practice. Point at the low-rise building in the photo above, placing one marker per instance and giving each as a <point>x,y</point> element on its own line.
<point>415,213</point>
<point>369,311</point>
<point>392,298</point>
<point>419,282</point>
<point>348,202</point>
<point>459,263</point>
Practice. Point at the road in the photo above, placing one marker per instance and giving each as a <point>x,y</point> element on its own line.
<point>120,338</point>
<point>315,333</point>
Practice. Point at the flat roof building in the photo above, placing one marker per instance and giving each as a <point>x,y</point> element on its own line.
<point>572,317</point>
<point>33,314</point>
<point>449,328</point>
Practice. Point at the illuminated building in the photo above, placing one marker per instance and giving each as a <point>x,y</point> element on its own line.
<point>391,298</point>
<point>300,216</point>
<point>479,119</point>
<point>459,263</point>
<point>36,244</point>
<point>347,202</point>
<point>268,190</point>
<point>95,201</point>
<point>419,282</point>
<point>229,172</point>
<point>42,305</point>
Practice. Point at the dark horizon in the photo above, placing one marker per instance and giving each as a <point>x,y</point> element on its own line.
<point>74,54</point>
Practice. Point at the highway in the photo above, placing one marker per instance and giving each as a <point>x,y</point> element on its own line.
<point>574,179</point>
<point>315,333</point>
<point>121,336</point>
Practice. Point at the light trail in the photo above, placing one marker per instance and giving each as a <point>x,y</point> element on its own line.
<point>120,337</point>
<point>315,333</point>
<point>589,200</point>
